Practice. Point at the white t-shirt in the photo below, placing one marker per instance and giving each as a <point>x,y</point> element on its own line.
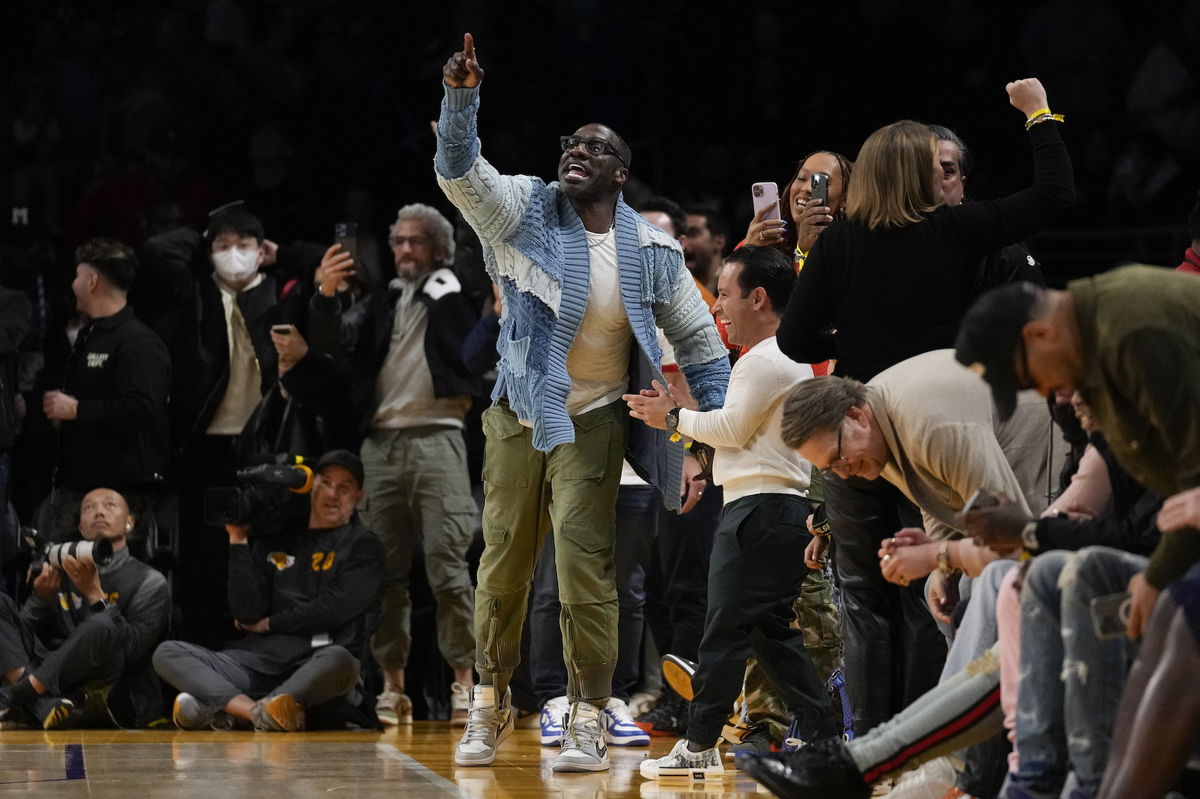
<point>598,360</point>
<point>751,457</point>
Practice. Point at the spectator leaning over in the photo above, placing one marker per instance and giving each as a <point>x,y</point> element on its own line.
<point>93,629</point>
<point>763,527</point>
<point>111,411</point>
<point>305,600</point>
<point>893,279</point>
<point>585,280</point>
<point>409,393</point>
<point>1127,341</point>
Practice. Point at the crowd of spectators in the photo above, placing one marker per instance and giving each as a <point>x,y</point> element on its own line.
<point>175,309</point>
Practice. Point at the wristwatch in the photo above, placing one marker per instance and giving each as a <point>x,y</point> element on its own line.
<point>673,420</point>
<point>1029,537</point>
<point>943,559</point>
<point>99,606</point>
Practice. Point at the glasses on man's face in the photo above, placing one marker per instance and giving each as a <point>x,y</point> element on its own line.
<point>593,146</point>
<point>839,464</point>
<point>400,241</point>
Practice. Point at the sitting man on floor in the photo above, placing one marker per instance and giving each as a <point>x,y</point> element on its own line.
<point>304,598</point>
<point>92,630</point>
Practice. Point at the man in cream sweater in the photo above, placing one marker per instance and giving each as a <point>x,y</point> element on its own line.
<point>756,570</point>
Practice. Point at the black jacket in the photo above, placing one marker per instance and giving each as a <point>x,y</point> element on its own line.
<point>350,375</point>
<point>120,373</point>
<point>315,586</point>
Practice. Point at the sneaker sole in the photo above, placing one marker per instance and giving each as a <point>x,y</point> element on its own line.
<point>627,740</point>
<point>575,767</point>
<point>285,711</point>
<point>678,676</point>
<point>552,740</point>
<point>176,713</point>
<point>703,774</point>
<point>485,760</point>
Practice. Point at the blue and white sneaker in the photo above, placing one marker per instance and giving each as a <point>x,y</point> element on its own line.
<point>553,714</point>
<point>619,727</point>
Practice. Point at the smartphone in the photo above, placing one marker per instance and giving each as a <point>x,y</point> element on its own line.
<point>765,194</point>
<point>1110,615</point>
<point>820,187</point>
<point>981,499</point>
<point>346,234</point>
<point>283,330</point>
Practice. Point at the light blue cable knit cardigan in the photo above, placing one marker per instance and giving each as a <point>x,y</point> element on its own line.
<point>535,247</point>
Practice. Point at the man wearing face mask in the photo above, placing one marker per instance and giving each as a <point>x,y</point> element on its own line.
<point>225,362</point>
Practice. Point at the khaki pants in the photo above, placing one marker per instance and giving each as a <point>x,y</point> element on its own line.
<point>574,489</point>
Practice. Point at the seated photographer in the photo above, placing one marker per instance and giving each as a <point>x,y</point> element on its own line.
<point>93,629</point>
<point>304,599</point>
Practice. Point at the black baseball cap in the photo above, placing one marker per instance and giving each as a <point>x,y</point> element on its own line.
<point>344,458</point>
<point>989,336</point>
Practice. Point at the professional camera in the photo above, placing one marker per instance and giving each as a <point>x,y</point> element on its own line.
<point>266,497</point>
<point>99,551</point>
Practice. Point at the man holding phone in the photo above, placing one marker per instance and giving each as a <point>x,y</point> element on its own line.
<point>399,353</point>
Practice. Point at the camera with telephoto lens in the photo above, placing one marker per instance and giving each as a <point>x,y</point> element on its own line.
<point>268,497</point>
<point>99,551</point>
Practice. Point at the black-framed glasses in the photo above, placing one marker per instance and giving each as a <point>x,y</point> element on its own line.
<point>593,146</point>
<point>839,462</point>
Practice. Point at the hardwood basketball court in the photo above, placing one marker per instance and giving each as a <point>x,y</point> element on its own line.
<point>415,761</point>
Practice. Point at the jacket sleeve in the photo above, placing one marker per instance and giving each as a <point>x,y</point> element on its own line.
<point>493,204</point>
<point>1136,532</point>
<point>249,587</point>
<point>804,329</point>
<point>966,456</point>
<point>990,224</point>
<point>479,351</point>
<point>453,321</point>
<point>340,600</point>
<point>689,327</point>
<point>143,382</point>
<point>146,617</point>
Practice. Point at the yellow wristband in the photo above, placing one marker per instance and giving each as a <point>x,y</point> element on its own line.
<point>1038,113</point>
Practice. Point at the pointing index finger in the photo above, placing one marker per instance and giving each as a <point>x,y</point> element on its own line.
<point>469,46</point>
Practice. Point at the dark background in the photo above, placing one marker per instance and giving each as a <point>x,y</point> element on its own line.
<point>123,118</point>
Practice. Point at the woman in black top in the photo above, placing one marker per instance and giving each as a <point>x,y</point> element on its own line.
<point>894,279</point>
<point>889,282</point>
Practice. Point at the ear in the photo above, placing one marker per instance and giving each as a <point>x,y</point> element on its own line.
<point>620,176</point>
<point>760,297</point>
<point>719,243</point>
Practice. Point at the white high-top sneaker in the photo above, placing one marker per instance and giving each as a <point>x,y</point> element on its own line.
<point>583,746</point>
<point>488,725</point>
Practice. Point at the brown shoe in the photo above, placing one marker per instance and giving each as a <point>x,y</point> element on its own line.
<point>279,713</point>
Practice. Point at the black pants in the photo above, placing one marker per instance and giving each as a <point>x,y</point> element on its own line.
<point>677,582</point>
<point>893,650</point>
<point>754,576</point>
<point>91,653</point>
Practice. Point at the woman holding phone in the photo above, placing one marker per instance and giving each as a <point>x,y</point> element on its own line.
<point>890,281</point>
<point>808,218</point>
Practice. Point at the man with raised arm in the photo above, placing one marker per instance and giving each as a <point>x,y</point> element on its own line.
<point>584,281</point>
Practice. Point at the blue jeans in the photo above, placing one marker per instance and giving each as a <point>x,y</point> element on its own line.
<point>1070,680</point>
<point>637,518</point>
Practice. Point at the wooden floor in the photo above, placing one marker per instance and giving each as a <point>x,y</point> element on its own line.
<point>413,761</point>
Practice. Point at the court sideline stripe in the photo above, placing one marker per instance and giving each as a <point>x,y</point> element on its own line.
<point>437,780</point>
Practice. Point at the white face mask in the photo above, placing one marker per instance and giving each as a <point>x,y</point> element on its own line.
<point>234,265</point>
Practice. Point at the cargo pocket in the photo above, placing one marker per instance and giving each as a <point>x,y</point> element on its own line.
<point>506,453</point>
